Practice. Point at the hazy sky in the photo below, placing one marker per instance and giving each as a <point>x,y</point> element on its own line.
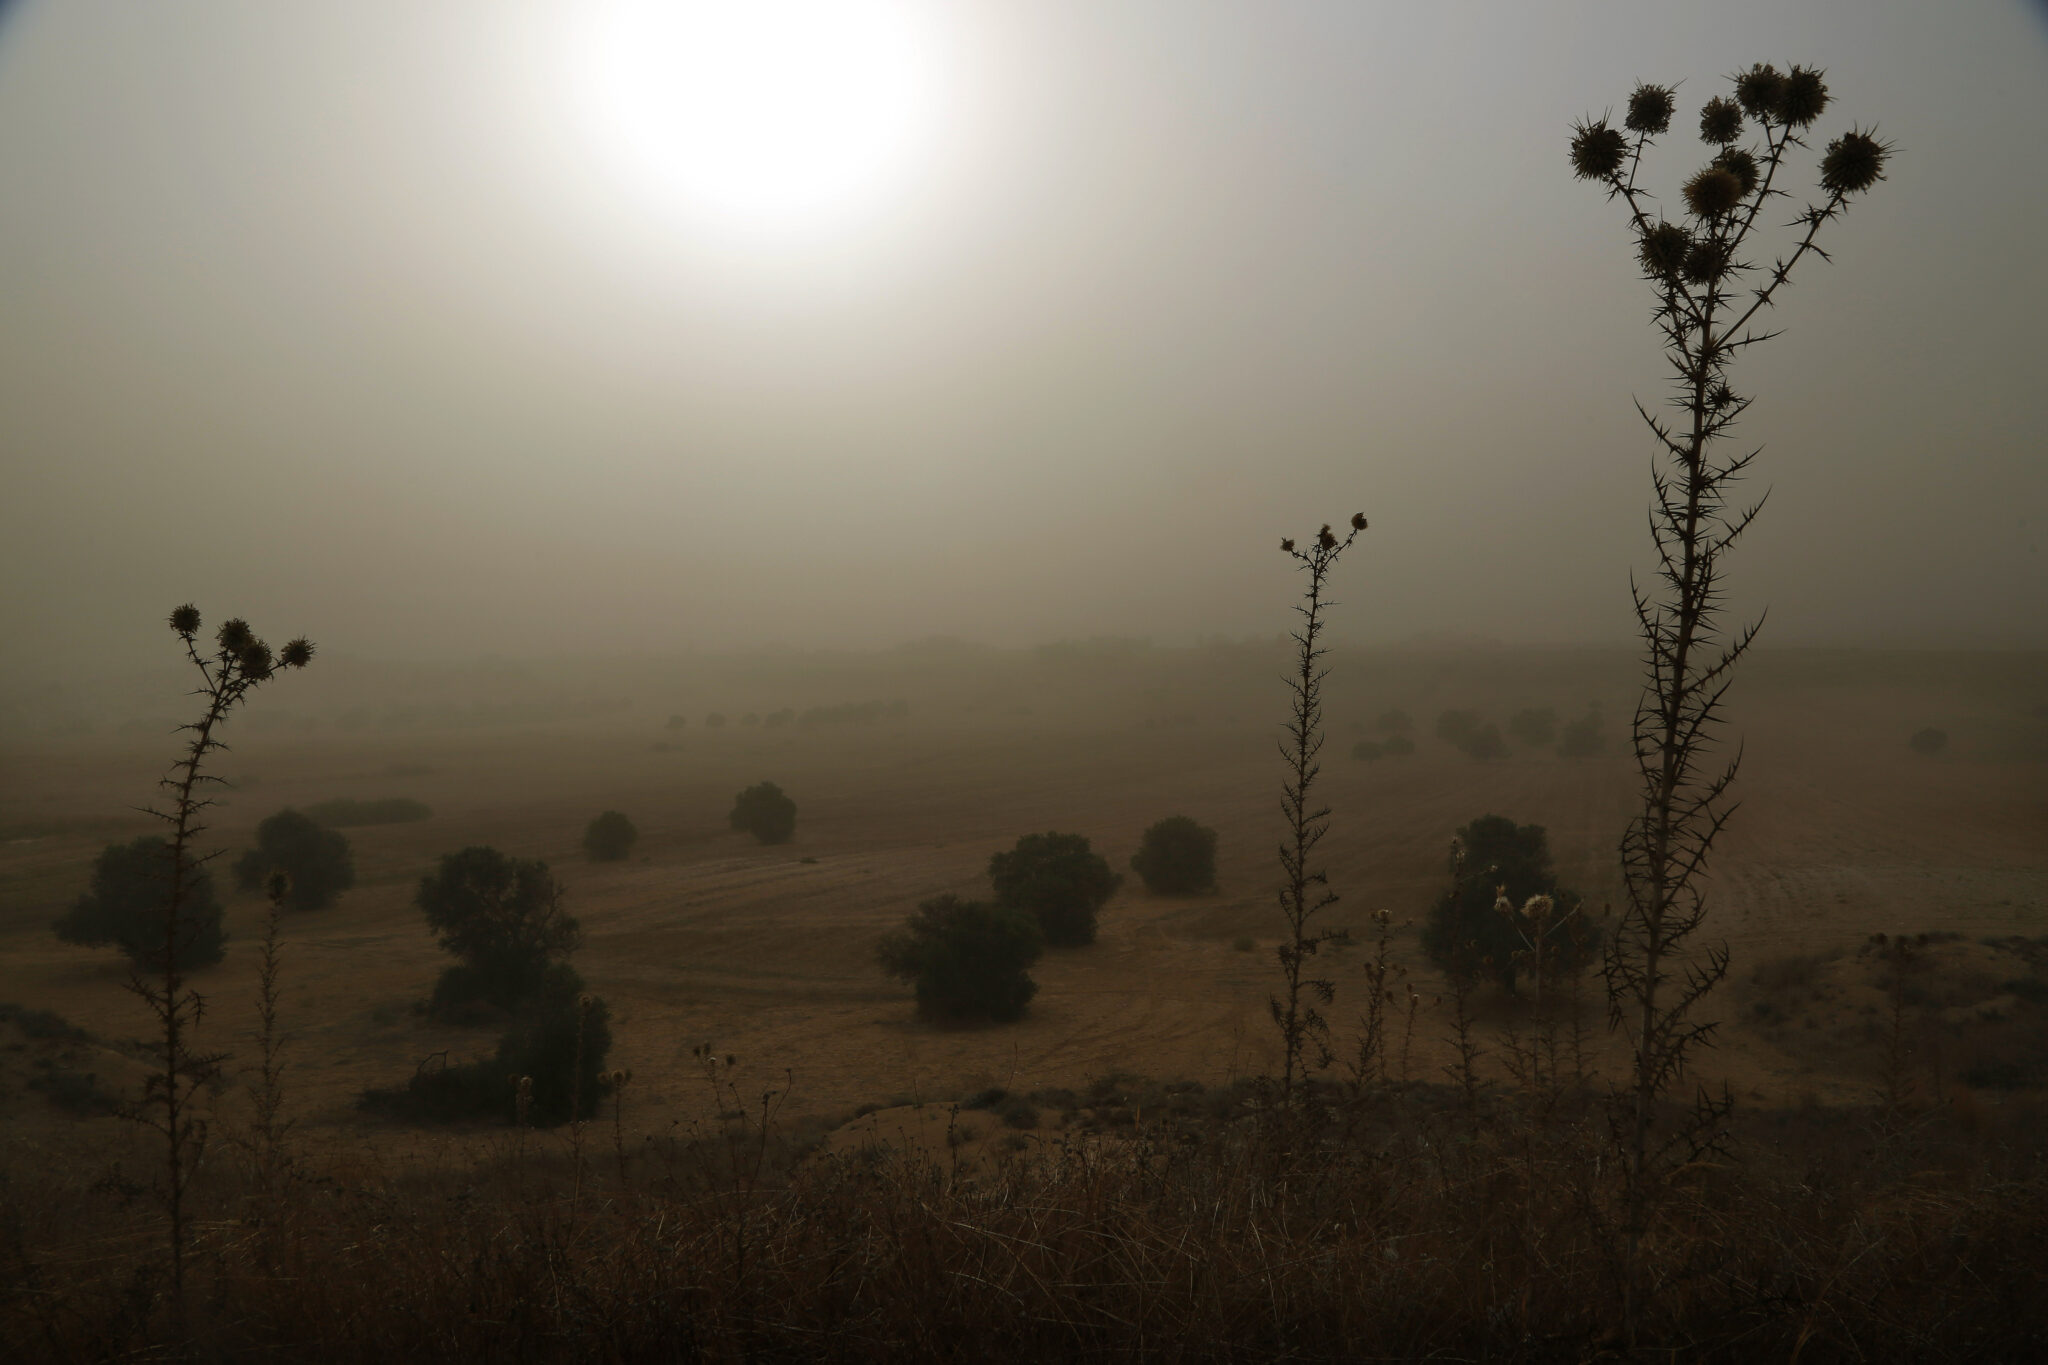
<point>361,320</point>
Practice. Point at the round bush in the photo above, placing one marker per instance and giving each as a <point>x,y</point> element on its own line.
<point>127,901</point>
<point>610,837</point>
<point>1177,857</point>
<point>316,859</point>
<point>765,812</point>
<point>1057,880</point>
<point>1466,934</point>
<point>503,917</point>
<point>967,959</point>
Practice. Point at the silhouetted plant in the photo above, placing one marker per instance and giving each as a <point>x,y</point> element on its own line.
<point>1533,726</point>
<point>1709,292</point>
<point>1929,741</point>
<point>1486,744</point>
<point>124,906</point>
<point>1059,881</point>
<point>1305,889</point>
<point>609,837</point>
<point>1397,746</point>
<point>1540,930</point>
<point>316,860</point>
<point>236,664</point>
<point>503,917</point>
<point>1456,728</point>
<point>764,811</point>
<point>967,959</point>
<point>1581,738</point>
<point>678,722</point>
<point>1176,857</point>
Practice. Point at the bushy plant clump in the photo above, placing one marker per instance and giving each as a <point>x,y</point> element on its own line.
<point>316,860</point>
<point>766,812</point>
<point>610,837</point>
<point>967,959</point>
<point>1465,731</point>
<point>503,917</point>
<point>1469,933</point>
<point>125,903</point>
<point>1177,857</point>
<point>1059,881</point>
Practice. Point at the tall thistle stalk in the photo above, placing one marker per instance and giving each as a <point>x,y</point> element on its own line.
<point>1305,889</point>
<point>236,665</point>
<point>1710,298</point>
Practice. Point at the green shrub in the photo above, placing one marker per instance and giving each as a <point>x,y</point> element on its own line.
<point>342,813</point>
<point>316,859</point>
<point>765,812</point>
<point>1177,857</point>
<point>503,917</point>
<point>1467,935</point>
<point>125,905</point>
<point>1057,880</point>
<point>610,837</point>
<point>967,959</point>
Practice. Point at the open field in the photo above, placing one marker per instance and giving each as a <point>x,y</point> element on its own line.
<point>705,936</point>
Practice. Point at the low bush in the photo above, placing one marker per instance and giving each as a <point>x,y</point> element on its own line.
<point>967,959</point>
<point>765,811</point>
<point>609,838</point>
<point>1534,727</point>
<point>1059,881</point>
<point>316,859</point>
<point>1468,933</point>
<point>127,901</point>
<point>1177,857</point>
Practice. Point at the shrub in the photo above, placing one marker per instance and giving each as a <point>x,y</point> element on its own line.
<point>967,959</point>
<point>609,837</point>
<point>1486,745</point>
<point>1581,738</point>
<point>1467,935</point>
<point>1057,880</point>
<point>316,859</point>
<point>765,812</point>
<point>503,917</point>
<point>547,1042</point>
<point>678,722</point>
<point>1177,857</point>
<point>1929,741</point>
<point>1456,728</point>
<point>1533,726</point>
<point>125,906</point>
<point>342,813</point>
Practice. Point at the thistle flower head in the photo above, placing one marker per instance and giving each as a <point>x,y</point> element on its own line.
<point>1649,109</point>
<point>1706,260</point>
<point>1288,546</point>
<point>234,635</point>
<point>1713,192</point>
<point>1358,521</point>
<point>1853,163</point>
<point>296,653</point>
<point>255,660</point>
<point>1803,97</point>
<point>1663,249</point>
<point>1720,120</point>
<point>1325,538</point>
<point>185,620</point>
<point>1740,163</point>
<point>1597,150</point>
<point>1760,89</point>
<point>279,886</point>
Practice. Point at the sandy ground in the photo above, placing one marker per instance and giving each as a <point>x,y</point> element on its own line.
<point>766,953</point>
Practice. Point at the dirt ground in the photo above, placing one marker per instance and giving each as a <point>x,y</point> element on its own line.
<point>766,953</point>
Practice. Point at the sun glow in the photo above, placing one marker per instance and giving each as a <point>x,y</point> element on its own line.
<point>772,115</point>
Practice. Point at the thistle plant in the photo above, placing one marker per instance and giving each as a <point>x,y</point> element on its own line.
<point>236,664</point>
<point>1304,889</point>
<point>1711,300</point>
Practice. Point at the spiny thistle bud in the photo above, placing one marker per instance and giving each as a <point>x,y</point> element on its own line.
<point>1325,539</point>
<point>279,886</point>
<point>1649,109</point>
<point>296,653</point>
<point>1738,162</point>
<point>1803,97</point>
<point>1759,89</point>
<point>1663,249</point>
<point>1288,546</point>
<point>1721,396</point>
<point>1597,150</point>
<point>1706,260</point>
<point>185,620</point>
<point>1720,120</point>
<point>255,660</point>
<point>1854,162</point>
<point>234,635</point>
<point>1358,521</point>
<point>1713,192</point>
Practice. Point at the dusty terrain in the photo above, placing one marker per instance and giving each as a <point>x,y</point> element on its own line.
<point>766,953</point>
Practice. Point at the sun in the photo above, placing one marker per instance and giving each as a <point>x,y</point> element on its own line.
<point>765,115</point>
